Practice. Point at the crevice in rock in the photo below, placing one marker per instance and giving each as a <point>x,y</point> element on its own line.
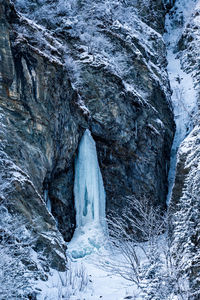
<point>59,187</point>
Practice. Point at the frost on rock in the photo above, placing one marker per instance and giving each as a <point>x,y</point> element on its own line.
<point>89,198</point>
<point>80,33</point>
<point>183,40</point>
<point>184,96</point>
<point>186,225</point>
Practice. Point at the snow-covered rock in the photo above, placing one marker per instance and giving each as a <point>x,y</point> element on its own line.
<point>66,66</point>
<point>183,55</point>
<point>115,58</point>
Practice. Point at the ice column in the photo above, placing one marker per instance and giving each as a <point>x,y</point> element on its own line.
<point>88,186</point>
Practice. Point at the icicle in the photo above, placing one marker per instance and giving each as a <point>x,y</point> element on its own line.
<point>49,204</point>
<point>47,200</point>
<point>88,187</point>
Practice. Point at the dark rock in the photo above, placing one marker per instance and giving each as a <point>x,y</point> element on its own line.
<point>35,138</point>
<point>46,103</point>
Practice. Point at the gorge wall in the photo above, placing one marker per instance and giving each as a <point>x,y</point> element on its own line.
<point>57,80</point>
<point>70,65</point>
<point>184,208</point>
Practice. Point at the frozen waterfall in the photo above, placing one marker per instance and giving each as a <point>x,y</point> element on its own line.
<point>88,187</point>
<point>89,201</point>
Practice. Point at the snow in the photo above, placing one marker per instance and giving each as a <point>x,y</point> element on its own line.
<point>82,106</point>
<point>190,146</point>
<point>85,280</point>
<point>184,97</point>
<point>93,25</point>
<point>105,285</point>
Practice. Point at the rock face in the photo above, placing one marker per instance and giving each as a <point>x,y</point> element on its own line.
<point>185,212</point>
<point>82,67</point>
<point>34,125</point>
<point>184,206</point>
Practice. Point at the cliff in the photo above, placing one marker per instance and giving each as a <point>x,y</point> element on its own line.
<point>66,66</point>
<point>60,80</point>
<point>184,207</point>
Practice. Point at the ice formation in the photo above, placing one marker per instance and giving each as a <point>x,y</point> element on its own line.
<point>88,187</point>
<point>47,200</point>
<point>89,201</point>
